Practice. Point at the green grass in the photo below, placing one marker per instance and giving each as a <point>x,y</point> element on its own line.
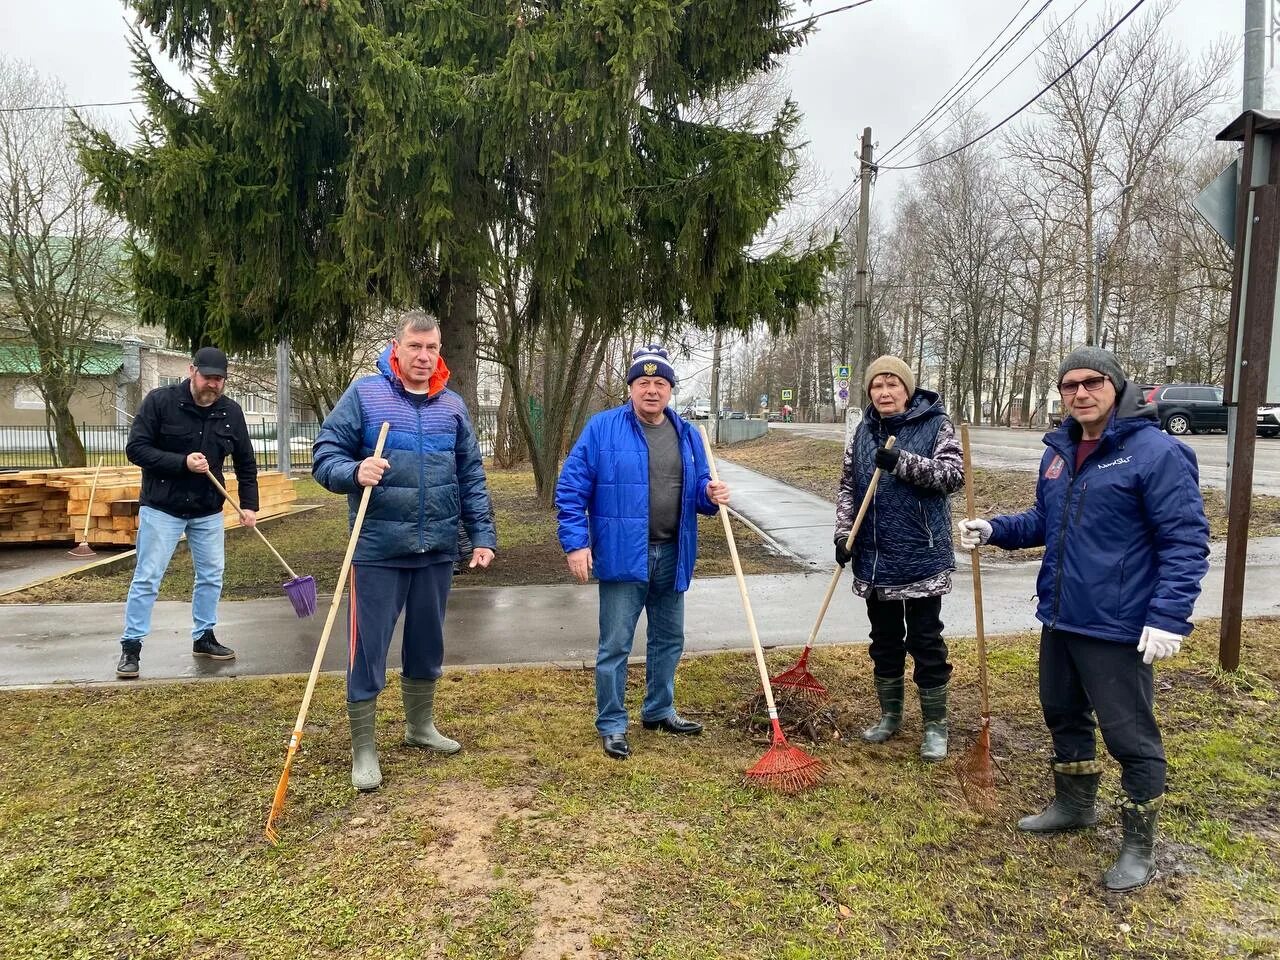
<point>131,817</point>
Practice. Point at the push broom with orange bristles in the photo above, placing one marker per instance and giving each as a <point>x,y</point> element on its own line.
<point>797,679</point>
<point>977,770</point>
<point>282,788</point>
<point>784,768</point>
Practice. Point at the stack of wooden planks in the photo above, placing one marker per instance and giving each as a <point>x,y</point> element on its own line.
<point>51,505</point>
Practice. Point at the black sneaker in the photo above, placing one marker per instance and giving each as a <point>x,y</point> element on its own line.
<point>207,645</point>
<point>127,668</point>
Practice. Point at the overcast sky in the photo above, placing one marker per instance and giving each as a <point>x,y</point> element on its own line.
<point>881,65</point>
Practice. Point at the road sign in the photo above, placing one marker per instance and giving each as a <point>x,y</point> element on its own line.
<point>843,386</point>
<point>1217,202</point>
<point>842,372</point>
<point>843,393</point>
<point>786,395</point>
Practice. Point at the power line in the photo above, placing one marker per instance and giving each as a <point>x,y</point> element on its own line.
<point>971,81</point>
<point>995,86</point>
<point>69,106</point>
<point>1049,86</point>
<point>825,13</point>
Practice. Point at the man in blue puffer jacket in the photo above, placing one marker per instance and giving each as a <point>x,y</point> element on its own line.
<point>628,501</point>
<point>1119,512</point>
<point>429,481</point>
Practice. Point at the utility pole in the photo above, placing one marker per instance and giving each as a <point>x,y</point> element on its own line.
<point>1253,308</point>
<point>715,388</point>
<point>861,307</point>
<point>284,405</point>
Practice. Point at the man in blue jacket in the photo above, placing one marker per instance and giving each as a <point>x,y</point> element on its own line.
<point>627,500</point>
<point>429,481</point>
<point>1119,512</point>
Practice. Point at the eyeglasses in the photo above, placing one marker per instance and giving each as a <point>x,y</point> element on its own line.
<point>1092,384</point>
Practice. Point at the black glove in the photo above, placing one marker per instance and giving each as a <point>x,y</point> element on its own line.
<point>843,556</point>
<point>887,459</point>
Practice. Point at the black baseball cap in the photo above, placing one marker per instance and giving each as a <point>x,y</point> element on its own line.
<point>210,361</point>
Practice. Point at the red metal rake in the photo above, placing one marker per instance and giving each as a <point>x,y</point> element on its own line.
<point>783,768</point>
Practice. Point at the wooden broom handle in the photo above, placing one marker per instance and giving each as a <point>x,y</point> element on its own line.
<point>338,589</point>
<point>240,513</point>
<point>93,488</point>
<point>977,573</point>
<point>848,546</point>
<point>742,583</point>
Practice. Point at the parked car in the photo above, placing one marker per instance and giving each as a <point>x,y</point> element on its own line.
<point>1269,421</point>
<point>1189,407</point>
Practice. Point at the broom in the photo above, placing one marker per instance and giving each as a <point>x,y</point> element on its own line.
<point>84,551</point>
<point>784,768</point>
<point>277,801</point>
<point>798,678</point>
<point>301,591</point>
<point>977,770</point>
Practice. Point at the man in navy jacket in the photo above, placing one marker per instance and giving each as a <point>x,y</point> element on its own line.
<point>628,501</point>
<point>429,482</point>
<point>1119,512</point>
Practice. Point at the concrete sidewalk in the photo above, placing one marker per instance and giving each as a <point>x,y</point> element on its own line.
<point>556,624</point>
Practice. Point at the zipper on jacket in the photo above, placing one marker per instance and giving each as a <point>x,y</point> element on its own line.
<point>1062,543</point>
<point>422,484</point>
<point>924,522</point>
<point>1084,491</point>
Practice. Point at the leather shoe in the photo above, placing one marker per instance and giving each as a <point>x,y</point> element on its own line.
<point>616,746</point>
<point>675,724</point>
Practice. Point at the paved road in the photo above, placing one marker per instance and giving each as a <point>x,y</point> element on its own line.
<point>1017,449</point>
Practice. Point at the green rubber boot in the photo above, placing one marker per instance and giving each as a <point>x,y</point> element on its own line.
<point>933,709</point>
<point>365,772</point>
<point>419,723</point>
<point>889,691</point>
<point>1136,864</point>
<point>1075,795</point>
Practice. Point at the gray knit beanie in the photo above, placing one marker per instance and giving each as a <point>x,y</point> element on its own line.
<point>1093,358</point>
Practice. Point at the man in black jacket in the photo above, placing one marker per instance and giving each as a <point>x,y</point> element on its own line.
<point>181,434</point>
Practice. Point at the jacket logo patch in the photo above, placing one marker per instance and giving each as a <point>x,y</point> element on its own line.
<point>1114,463</point>
<point>650,369</point>
<point>1054,470</point>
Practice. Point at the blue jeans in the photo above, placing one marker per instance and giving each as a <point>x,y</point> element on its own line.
<point>620,606</point>
<point>158,534</point>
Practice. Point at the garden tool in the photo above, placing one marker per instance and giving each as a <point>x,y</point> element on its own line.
<point>282,788</point>
<point>798,678</point>
<point>977,770</point>
<point>783,768</point>
<point>84,551</point>
<point>301,591</point>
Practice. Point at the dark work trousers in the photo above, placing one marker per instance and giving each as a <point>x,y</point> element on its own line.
<point>1081,677</point>
<point>378,595</point>
<point>899,627</point>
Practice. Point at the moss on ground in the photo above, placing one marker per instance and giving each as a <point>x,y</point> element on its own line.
<point>131,818</point>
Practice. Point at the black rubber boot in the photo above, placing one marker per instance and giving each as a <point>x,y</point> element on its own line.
<point>1136,864</point>
<point>130,653</point>
<point>365,773</point>
<point>1075,796</point>
<point>933,708</point>
<point>889,691</point>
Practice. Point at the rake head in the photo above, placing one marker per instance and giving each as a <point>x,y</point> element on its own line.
<point>301,592</point>
<point>282,790</point>
<point>977,771</point>
<point>784,768</point>
<point>798,681</point>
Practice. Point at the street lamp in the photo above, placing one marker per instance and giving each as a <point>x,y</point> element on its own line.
<point>1097,265</point>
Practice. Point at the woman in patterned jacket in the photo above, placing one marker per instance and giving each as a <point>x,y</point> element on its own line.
<point>902,556</point>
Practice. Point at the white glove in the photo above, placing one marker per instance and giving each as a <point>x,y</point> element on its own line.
<point>1157,644</point>
<point>973,533</point>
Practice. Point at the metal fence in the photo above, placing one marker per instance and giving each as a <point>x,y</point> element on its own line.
<point>34,447</point>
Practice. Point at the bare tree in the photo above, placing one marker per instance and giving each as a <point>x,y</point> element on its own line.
<point>61,256</point>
